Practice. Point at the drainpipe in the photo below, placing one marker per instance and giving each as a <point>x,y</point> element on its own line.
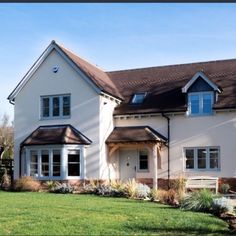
<point>168,146</point>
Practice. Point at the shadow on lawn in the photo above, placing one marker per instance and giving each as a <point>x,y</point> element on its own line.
<point>180,231</point>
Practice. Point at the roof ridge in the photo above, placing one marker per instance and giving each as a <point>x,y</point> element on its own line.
<point>173,65</point>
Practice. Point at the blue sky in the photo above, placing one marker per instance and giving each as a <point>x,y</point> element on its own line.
<point>113,36</point>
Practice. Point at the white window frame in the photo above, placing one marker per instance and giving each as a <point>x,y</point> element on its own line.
<point>61,116</point>
<point>195,149</point>
<point>143,170</point>
<point>69,151</point>
<point>200,94</point>
<point>64,150</point>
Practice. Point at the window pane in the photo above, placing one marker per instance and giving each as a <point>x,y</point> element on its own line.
<point>143,160</point>
<point>74,164</point>
<point>189,154</point>
<point>214,158</point>
<point>45,107</point>
<point>55,102</point>
<point>207,103</point>
<point>201,158</point>
<point>194,101</point>
<point>45,163</point>
<point>56,163</point>
<point>66,105</point>
<point>138,98</point>
<point>33,163</point>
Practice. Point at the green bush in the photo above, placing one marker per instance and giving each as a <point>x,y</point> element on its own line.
<point>198,201</point>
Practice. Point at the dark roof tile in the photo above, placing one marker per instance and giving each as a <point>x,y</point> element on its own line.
<point>134,134</point>
<point>55,134</point>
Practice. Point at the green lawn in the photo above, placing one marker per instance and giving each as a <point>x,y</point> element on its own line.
<point>58,214</point>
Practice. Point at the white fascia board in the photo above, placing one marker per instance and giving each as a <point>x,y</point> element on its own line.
<point>37,64</point>
<point>204,77</point>
<point>29,73</point>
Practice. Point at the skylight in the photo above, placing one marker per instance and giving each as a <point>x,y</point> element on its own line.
<point>138,98</point>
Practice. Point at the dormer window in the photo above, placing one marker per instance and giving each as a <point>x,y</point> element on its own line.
<point>200,103</point>
<point>138,98</point>
<point>201,94</point>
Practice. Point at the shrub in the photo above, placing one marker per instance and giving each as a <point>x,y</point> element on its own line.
<point>50,185</point>
<point>154,195</point>
<point>27,183</point>
<point>165,197</point>
<point>198,201</point>
<point>225,188</point>
<point>130,188</point>
<point>91,187</point>
<point>107,190</point>
<point>222,205</point>
<point>179,186</point>
<point>5,181</point>
<point>117,184</point>
<point>142,191</point>
<point>62,188</point>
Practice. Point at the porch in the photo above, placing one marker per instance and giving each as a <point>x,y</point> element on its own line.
<point>135,152</point>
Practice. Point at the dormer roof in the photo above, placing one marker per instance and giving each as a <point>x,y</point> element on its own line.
<point>205,78</point>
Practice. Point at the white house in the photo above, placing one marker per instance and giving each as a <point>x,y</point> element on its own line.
<point>73,121</point>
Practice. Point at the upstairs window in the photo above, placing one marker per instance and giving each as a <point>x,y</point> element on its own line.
<point>138,98</point>
<point>200,103</point>
<point>57,106</point>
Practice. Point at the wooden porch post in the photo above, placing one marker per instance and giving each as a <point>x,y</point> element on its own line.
<point>154,158</point>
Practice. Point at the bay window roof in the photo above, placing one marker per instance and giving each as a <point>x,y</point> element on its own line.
<point>56,134</point>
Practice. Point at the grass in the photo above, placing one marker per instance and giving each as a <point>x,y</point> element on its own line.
<point>57,214</point>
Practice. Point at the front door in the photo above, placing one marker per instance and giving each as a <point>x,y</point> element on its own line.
<point>128,162</point>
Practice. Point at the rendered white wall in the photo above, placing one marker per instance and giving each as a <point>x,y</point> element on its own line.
<point>216,130</point>
<point>106,126</point>
<point>84,107</point>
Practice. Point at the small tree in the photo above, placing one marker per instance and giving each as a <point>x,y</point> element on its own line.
<point>6,137</point>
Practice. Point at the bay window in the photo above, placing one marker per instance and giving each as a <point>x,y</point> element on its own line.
<point>54,162</point>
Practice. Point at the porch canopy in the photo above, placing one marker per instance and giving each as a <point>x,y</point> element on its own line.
<point>136,136</point>
<point>56,134</point>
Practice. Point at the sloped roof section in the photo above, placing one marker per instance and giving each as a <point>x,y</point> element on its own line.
<point>56,134</point>
<point>97,75</point>
<point>135,134</point>
<point>164,86</point>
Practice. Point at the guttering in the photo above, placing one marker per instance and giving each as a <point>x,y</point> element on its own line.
<point>168,146</point>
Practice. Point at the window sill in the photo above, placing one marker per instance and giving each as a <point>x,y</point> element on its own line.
<point>202,170</point>
<point>142,171</point>
<point>54,118</point>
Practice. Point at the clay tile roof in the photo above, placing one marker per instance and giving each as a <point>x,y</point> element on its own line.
<point>135,134</point>
<point>97,75</point>
<point>55,134</point>
<point>164,84</point>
